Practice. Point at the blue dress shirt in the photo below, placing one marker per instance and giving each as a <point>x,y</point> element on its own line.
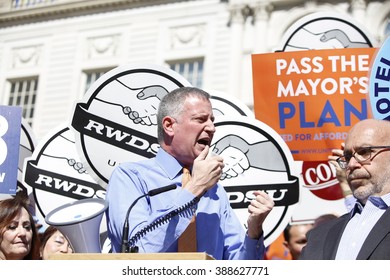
<point>219,231</point>
<point>363,219</point>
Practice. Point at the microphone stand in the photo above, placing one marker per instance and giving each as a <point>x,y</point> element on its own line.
<point>125,234</point>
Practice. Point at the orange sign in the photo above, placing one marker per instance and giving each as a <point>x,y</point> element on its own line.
<point>312,98</point>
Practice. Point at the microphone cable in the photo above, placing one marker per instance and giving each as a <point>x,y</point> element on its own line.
<point>160,221</point>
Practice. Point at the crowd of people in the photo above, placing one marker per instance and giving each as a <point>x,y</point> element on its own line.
<point>185,132</point>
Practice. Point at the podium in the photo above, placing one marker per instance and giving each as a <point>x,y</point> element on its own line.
<point>132,256</point>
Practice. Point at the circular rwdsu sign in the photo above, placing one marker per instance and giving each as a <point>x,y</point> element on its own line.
<point>257,158</point>
<point>224,105</point>
<point>325,30</point>
<point>26,149</point>
<point>117,119</point>
<point>56,174</point>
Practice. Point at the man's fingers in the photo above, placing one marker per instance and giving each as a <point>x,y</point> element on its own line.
<point>203,154</point>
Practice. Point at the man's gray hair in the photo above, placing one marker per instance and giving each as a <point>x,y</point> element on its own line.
<point>172,105</point>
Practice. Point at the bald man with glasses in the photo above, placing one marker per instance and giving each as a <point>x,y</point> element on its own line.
<point>364,232</point>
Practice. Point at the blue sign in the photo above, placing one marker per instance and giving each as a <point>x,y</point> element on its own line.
<point>10,126</point>
<point>380,83</point>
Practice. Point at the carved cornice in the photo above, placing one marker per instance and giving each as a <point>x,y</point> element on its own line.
<point>12,17</point>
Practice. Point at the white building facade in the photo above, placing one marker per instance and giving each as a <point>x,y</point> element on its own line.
<point>52,50</point>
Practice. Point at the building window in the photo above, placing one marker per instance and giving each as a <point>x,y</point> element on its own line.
<point>192,70</point>
<point>23,93</point>
<point>91,76</point>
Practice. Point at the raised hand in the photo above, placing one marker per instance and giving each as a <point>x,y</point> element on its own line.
<point>206,171</point>
<point>258,210</point>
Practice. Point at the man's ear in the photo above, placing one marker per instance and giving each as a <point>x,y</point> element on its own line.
<point>168,123</point>
<point>286,245</point>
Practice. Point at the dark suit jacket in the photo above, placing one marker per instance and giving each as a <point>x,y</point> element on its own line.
<point>322,241</point>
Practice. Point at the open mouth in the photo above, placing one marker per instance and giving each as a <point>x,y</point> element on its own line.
<point>204,142</point>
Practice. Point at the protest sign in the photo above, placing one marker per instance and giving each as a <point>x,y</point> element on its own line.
<point>312,98</point>
<point>10,123</point>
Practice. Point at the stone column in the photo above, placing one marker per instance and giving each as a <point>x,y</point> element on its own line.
<point>358,10</point>
<point>261,14</point>
<point>236,24</point>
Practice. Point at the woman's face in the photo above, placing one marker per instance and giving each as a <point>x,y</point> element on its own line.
<point>56,244</point>
<point>16,239</point>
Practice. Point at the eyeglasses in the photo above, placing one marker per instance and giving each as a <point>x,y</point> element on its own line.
<point>361,155</point>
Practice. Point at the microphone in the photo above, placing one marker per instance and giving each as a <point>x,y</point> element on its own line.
<point>125,232</point>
